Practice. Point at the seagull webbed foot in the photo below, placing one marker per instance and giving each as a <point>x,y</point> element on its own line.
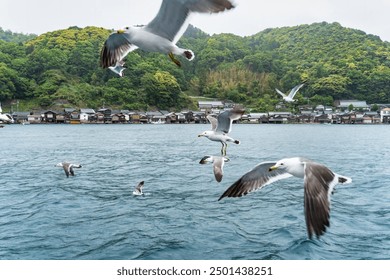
<point>223,149</point>
<point>172,57</point>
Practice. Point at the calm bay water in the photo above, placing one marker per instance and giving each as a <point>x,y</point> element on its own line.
<point>44,215</point>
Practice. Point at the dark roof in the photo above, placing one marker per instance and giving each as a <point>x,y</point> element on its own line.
<point>20,114</point>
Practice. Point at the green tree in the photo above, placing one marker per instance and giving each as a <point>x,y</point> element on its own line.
<point>9,36</point>
<point>332,85</point>
<point>7,82</point>
<point>161,89</point>
<point>321,100</point>
<point>83,60</point>
<point>42,60</point>
<point>51,81</point>
<point>12,85</point>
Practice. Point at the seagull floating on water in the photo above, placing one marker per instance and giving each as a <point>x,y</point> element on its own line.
<point>319,182</point>
<point>138,189</point>
<point>290,96</point>
<point>218,163</point>
<point>161,34</point>
<point>221,126</point>
<point>68,167</point>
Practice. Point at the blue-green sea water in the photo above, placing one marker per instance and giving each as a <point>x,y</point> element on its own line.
<point>94,215</point>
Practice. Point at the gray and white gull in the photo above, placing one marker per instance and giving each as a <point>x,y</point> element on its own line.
<point>159,35</point>
<point>290,96</point>
<point>319,183</point>
<point>138,188</point>
<point>68,167</point>
<point>221,126</point>
<point>218,163</point>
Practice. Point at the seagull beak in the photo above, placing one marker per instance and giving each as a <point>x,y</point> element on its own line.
<point>200,135</point>
<point>120,31</point>
<point>272,168</point>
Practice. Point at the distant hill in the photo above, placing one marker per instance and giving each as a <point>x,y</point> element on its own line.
<point>61,68</point>
<point>9,36</point>
<point>334,60</point>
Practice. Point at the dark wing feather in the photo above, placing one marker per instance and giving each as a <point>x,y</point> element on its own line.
<point>71,170</point>
<point>139,186</point>
<point>316,202</point>
<point>115,48</point>
<point>65,166</point>
<point>255,179</point>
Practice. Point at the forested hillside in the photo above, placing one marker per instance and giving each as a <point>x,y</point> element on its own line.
<point>9,36</point>
<point>61,68</point>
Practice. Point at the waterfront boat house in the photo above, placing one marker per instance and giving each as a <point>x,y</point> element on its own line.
<point>385,115</point>
<point>357,105</point>
<point>34,118</point>
<point>49,116</point>
<point>20,117</point>
<point>87,115</point>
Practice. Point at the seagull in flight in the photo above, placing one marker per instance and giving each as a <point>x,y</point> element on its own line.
<point>319,183</point>
<point>290,96</point>
<point>159,35</point>
<point>138,188</point>
<point>218,163</point>
<point>68,167</point>
<point>221,126</point>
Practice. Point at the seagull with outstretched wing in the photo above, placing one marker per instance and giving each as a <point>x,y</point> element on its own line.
<point>290,96</point>
<point>68,167</point>
<point>160,35</point>
<point>319,183</point>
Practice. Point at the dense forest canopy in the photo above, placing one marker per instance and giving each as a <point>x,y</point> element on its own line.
<point>61,68</point>
<point>9,36</point>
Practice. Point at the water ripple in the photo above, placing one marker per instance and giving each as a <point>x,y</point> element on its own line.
<point>44,215</point>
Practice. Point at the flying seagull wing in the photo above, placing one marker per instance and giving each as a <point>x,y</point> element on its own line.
<point>115,48</point>
<point>213,121</point>
<point>255,179</point>
<point>225,119</point>
<point>319,181</point>
<point>71,170</point>
<point>172,19</point>
<point>218,168</point>
<point>281,93</point>
<point>295,90</point>
<point>65,166</point>
<point>139,187</point>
